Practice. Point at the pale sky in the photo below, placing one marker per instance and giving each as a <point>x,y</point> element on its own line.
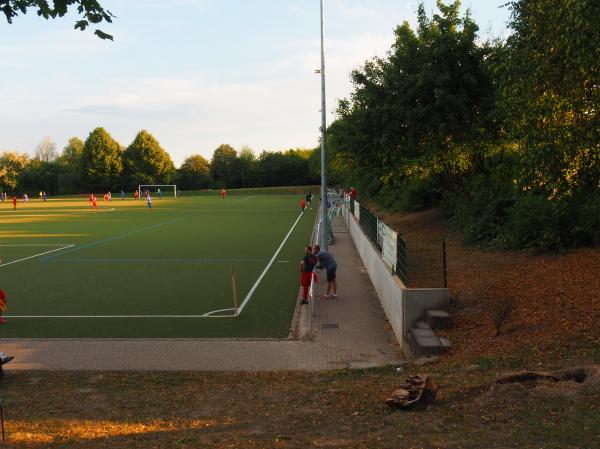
<point>196,73</point>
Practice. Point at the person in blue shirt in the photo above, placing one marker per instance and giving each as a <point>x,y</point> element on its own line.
<point>327,261</point>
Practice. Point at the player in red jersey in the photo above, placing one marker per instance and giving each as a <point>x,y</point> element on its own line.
<point>223,193</point>
<point>14,200</point>
<point>302,204</point>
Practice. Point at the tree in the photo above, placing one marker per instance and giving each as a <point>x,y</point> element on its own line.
<point>550,78</point>
<point>70,157</point>
<point>101,161</point>
<point>423,109</point>
<point>248,167</point>
<point>194,173</point>
<point>90,10</point>
<point>224,166</point>
<point>146,162</point>
<point>12,165</point>
<point>46,150</point>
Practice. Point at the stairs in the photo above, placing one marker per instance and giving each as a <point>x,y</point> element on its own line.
<point>422,339</point>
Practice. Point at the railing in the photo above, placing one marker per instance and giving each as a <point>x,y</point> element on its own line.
<point>418,264</point>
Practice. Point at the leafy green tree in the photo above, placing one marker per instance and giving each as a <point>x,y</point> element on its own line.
<point>12,165</point>
<point>248,167</point>
<point>425,108</point>
<point>194,173</point>
<point>286,168</point>
<point>70,157</point>
<point>91,11</point>
<point>146,162</point>
<point>101,161</point>
<point>550,78</point>
<point>224,166</point>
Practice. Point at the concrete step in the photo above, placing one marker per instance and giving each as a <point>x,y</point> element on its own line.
<point>423,342</point>
<point>438,319</point>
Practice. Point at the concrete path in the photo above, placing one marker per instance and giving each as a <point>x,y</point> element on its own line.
<point>349,332</point>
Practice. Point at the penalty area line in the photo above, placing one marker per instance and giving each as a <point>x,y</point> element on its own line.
<point>262,275</point>
<point>36,255</point>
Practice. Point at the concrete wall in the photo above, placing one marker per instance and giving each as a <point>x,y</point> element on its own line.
<point>403,306</point>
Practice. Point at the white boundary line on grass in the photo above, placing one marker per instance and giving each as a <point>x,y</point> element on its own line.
<point>262,275</point>
<point>36,255</point>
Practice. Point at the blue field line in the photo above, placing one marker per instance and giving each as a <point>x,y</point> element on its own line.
<point>110,239</point>
<point>206,261</point>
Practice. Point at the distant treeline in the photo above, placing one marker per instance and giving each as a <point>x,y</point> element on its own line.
<point>504,135</point>
<point>100,164</point>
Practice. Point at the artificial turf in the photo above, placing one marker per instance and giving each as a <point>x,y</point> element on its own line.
<point>175,259</point>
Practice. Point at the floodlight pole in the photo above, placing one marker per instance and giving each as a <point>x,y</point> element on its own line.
<point>324,225</point>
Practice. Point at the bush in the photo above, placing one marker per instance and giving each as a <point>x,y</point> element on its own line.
<point>480,208</point>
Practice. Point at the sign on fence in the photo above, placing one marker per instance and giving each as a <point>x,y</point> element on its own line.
<point>387,240</point>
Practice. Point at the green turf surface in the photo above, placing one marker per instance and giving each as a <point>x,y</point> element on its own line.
<point>173,260</point>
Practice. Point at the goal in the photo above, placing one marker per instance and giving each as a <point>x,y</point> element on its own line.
<point>154,189</point>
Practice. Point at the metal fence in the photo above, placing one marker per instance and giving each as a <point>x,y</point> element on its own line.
<point>418,264</point>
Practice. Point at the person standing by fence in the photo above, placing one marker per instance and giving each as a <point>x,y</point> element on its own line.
<point>327,261</point>
<point>307,267</point>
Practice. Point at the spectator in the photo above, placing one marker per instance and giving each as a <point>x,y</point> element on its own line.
<point>327,261</point>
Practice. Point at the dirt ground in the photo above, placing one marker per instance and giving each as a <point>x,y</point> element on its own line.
<point>555,298</point>
<point>343,409</point>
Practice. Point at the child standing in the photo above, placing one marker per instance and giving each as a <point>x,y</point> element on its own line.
<point>307,267</point>
<point>3,306</point>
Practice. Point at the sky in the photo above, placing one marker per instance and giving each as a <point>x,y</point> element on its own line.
<point>196,73</point>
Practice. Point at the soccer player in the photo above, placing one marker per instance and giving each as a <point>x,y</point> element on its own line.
<point>94,202</point>
<point>44,197</point>
<point>25,198</point>
<point>223,193</point>
<point>122,195</point>
<point>149,200</point>
<point>302,204</point>
<point>159,194</point>
<point>14,200</point>
<point>136,195</point>
<point>307,267</point>
<point>3,306</point>
<point>326,260</point>
<point>90,198</point>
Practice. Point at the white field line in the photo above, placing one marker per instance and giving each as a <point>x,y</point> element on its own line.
<point>35,255</point>
<point>262,275</point>
<point>18,245</point>
<point>248,197</point>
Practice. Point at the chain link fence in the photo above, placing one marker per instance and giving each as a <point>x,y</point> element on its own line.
<point>418,264</point>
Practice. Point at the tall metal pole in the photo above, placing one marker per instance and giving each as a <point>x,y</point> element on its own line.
<point>324,225</point>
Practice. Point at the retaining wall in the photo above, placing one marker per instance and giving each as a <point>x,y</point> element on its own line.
<point>403,306</point>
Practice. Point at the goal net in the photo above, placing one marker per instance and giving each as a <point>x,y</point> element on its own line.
<point>158,189</point>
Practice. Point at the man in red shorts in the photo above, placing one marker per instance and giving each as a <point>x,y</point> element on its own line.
<point>307,267</point>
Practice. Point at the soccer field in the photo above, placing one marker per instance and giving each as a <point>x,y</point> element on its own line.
<point>124,270</point>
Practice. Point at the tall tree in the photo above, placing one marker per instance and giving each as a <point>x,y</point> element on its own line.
<point>194,173</point>
<point>416,109</point>
<point>91,11</point>
<point>12,165</point>
<point>70,157</point>
<point>248,167</point>
<point>101,161</point>
<point>146,162</point>
<point>551,94</point>
<point>46,150</point>
<point>224,166</point>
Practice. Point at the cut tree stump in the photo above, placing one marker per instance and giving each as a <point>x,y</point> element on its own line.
<point>415,390</point>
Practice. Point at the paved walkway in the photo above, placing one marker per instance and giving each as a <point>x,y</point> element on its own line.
<point>349,332</point>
